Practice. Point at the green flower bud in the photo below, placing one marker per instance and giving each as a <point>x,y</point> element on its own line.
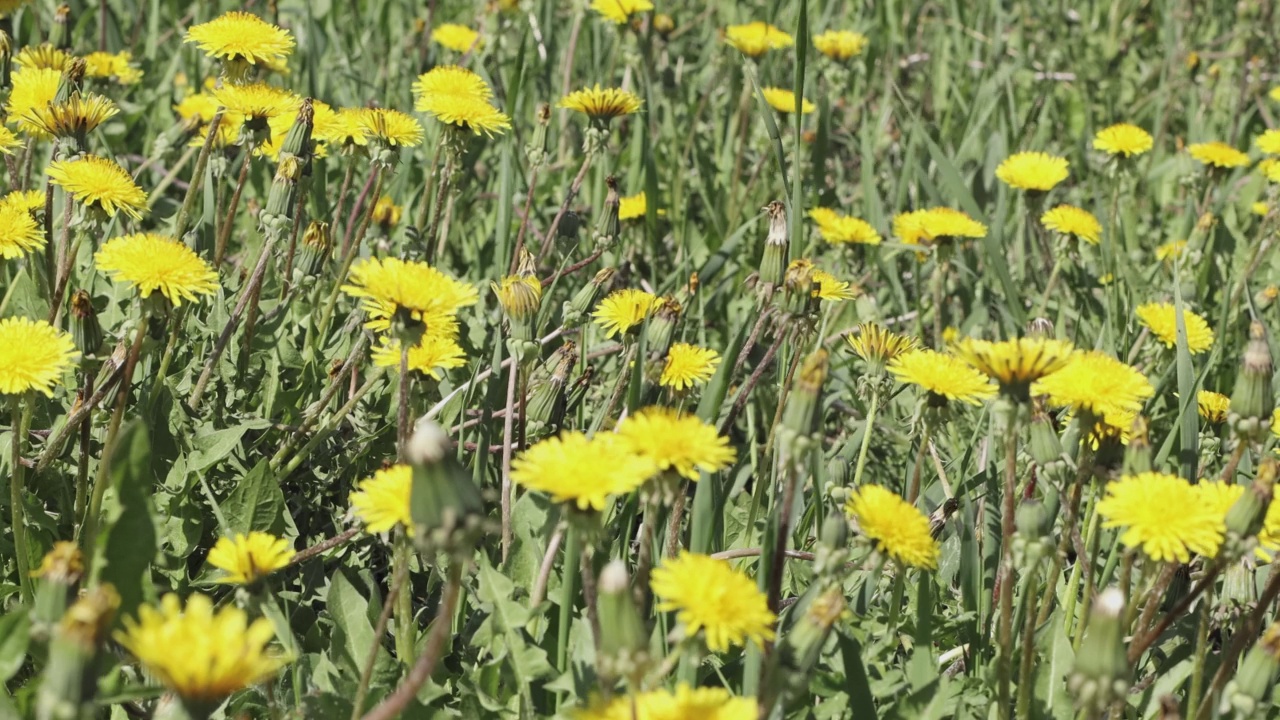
<point>546,404</point>
<point>1046,446</point>
<point>774,262</point>
<point>1250,690</point>
<point>586,297</point>
<point>59,575</point>
<point>1101,672</point>
<point>662,326</point>
<point>86,331</point>
<point>316,246</point>
<point>610,226</point>
<point>447,509</point>
<point>1245,518</point>
<point>70,679</point>
<point>297,141</point>
<point>623,638</point>
<point>60,34</point>
<point>802,414</point>
<point>1251,400</point>
<point>278,214</point>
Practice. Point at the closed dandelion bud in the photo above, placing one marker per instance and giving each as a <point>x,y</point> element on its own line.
<point>546,404</point>
<point>59,575</point>
<point>774,262</point>
<point>316,246</point>
<point>1251,400</point>
<point>1040,328</point>
<point>610,225</point>
<point>804,404</point>
<point>60,34</point>
<point>1100,673</point>
<point>1137,456</point>
<point>537,147</point>
<point>297,141</point>
<point>1046,446</point>
<point>586,297</point>
<point>1032,519</point>
<point>86,331</point>
<point>1250,690</point>
<point>940,515</point>
<point>662,326</point>
<point>70,679</point>
<point>519,296</point>
<point>835,530</point>
<point>663,25</point>
<point>280,199</point>
<point>805,632</point>
<point>72,77</point>
<point>1245,518</point>
<point>6,59</point>
<point>799,287</point>
<point>447,509</point>
<point>623,640</point>
<point>579,390</point>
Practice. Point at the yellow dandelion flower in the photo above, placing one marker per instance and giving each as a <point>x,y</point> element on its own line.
<point>686,703</point>
<point>455,37</point>
<point>1213,406</point>
<point>519,295</point>
<point>585,472</point>
<point>450,80</point>
<point>680,443</point>
<point>1034,171</point>
<point>1260,209</point>
<point>623,310</point>
<point>840,44</point>
<point>200,653</point>
<point>688,365</point>
<point>197,107</point>
<point>1271,169</point>
<point>31,201</point>
<point>118,67</point>
<point>877,345</point>
<point>249,558</point>
<point>34,355</point>
<point>344,129</point>
<point>601,103</point>
<point>19,231</point>
<point>257,102</point>
<point>31,89</point>
<point>1218,495</point>
<point>8,141</point>
<point>1096,383</point>
<point>1163,515</point>
<point>896,528</point>
<point>840,229</point>
<point>1171,250</point>
<point>944,377</point>
<point>76,117</point>
<point>434,353</point>
<point>1071,220</point>
<point>1269,142</point>
<point>919,227</point>
<point>470,113</point>
<point>1218,154</point>
<point>757,38</point>
<point>386,213</point>
<point>1123,139</point>
<point>1269,538</point>
<point>382,501</point>
<point>1017,363</point>
<point>242,37</point>
<point>828,287</point>
<point>710,597</point>
<point>99,183</point>
<point>632,207</point>
<point>391,127</point>
<point>152,262</point>
<point>619,11</point>
<point>784,100</point>
<point>1162,320</point>
<point>43,57</point>
<point>428,295</point>
<point>1274,94</point>
<point>64,563</point>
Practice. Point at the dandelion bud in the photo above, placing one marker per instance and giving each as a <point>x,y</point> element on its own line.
<point>6,58</point>
<point>1251,400</point>
<point>940,515</point>
<point>804,405</point>
<point>1137,456</point>
<point>59,574</point>
<point>537,147</point>
<point>1101,671</point>
<point>1046,446</point>
<point>1250,690</point>
<point>60,34</point>
<point>69,85</point>
<point>316,246</point>
<point>610,225</point>
<point>546,404</point>
<point>663,25</point>
<point>623,639</point>
<point>70,678</point>
<point>86,331</point>
<point>799,284</point>
<point>806,629</point>
<point>1032,519</point>
<point>297,141</point>
<point>447,509</point>
<point>1040,328</point>
<point>279,211</point>
<point>835,530</point>
<point>774,262</point>
<point>662,326</point>
<point>519,296</point>
<point>579,390</point>
<point>1245,518</point>
<point>587,295</point>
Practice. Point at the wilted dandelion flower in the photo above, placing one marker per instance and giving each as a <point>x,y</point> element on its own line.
<point>152,262</point>
<point>1163,515</point>
<point>1096,383</point>
<point>709,596</point>
<point>688,365</point>
<point>601,103</point>
<point>249,558</point>
<point>585,472</point>
<point>391,127</point>
<point>877,345</point>
<point>434,353</point>
<point>455,37</point>
<point>784,100</point>
<point>1122,139</point>
<point>1071,220</point>
<point>200,653</point>
<point>840,44</point>
<point>1213,406</point>
<point>99,183</point>
<point>1017,363</point>
<point>242,37</point>
<point>519,295</point>
<point>757,38</point>
<point>108,66</point>
<point>944,377</point>
<point>1034,171</point>
<point>19,231</point>
<point>623,310</point>
<point>1218,154</point>
<point>258,102</point>
<point>382,501</point>
<point>1170,250</point>
<point>1269,142</point>
<point>34,355</point>
<point>681,443</point>
<point>896,528</point>
<point>619,11</point>
<point>428,295</point>
<point>839,229</point>
<point>1162,320</point>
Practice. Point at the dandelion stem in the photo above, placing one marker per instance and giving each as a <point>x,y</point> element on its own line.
<point>549,239</point>
<point>1140,646</point>
<point>332,423</point>
<point>508,425</point>
<point>197,176</point>
<point>1025,668</point>
<point>1199,655</point>
<point>568,591</point>
<point>312,413</point>
<point>349,256</point>
<point>438,207</point>
<point>18,431</point>
<point>343,188</point>
<point>402,404</point>
<point>228,222</point>
<point>404,603</point>
<point>425,206</point>
<point>539,590</point>
<point>868,427</point>
<point>379,629</point>
<point>175,326</point>
<point>1004,651</point>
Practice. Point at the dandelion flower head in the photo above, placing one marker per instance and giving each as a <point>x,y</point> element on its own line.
<point>434,353</point>
<point>711,597</point>
<point>248,558</point>
<point>1218,154</point>
<point>841,229</point>
<point>585,472</point>
<point>1017,363</point>
<point>34,355</point>
<point>840,44</point>
<point>241,36</point>
<point>382,501</point>
<point>784,100</point>
<point>1163,515</point>
<point>1071,220</point>
<point>99,183</point>
<point>624,309</point>
<point>681,443</point>
<point>943,376</point>
<point>1213,406</point>
<point>896,528</point>
<point>387,285</point>
<point>1034,171</point>
<point>601,103</point>
<point>1122,139</point>
<point>619,11</point>
<point>153,263</point>
<point>688,365</point>
<point>1096,383</point>
<point>757,38</point>
<point>455,37</point>
<point>19,232</point>
<point>877,345</point>
<point>1162,320</point>
<point>392,127</point>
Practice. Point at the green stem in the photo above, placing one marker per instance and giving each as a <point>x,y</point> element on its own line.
<point>349,257</point>
<point>404,604</point>
<point>868,428</point>
<point>1049,287</point>
<point>1023,707</point>
<point>1004,653</point>
<point>398,577</point>
<point>1087,563</point>
<point>19,430</point>
<point>165,360</point>
<point>332,423</point>
<point>1201,652</point>
<point>568,592</point>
